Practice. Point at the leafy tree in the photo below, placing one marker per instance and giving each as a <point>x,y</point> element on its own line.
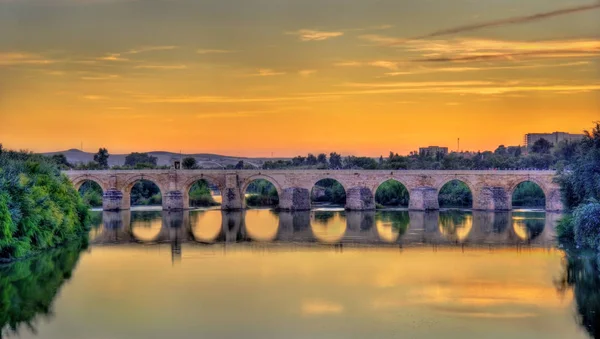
<point>322,158</point>
<point>189,163</point>
<point>240,165</point>
<point>332,192</point>
<point>455,194</point>
<point>102,158</point>
<point>140,160</point>
<point>61,161</point>
<point>353,162</point>
<point>201,195</point>
<point>581,182</point>
<point>311,160</point>
<point>335,160</point>
<point>541,146</point>
<point>298,161</point>
<point>91,193</point>
<point>501,150</point>
<point>392,193</point>
<point>145,193</point>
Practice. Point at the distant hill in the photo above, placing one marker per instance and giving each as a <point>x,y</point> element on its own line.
<point>204,160</point>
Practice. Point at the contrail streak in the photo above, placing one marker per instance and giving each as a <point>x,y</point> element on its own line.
<point>515,20</point>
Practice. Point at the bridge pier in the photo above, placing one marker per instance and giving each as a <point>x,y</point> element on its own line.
<point>360,199</point>
<point>295,199</point>
<point>554,201</point>
<point>492,199</point>
<point>173,201</point>
<point>424,199</point>
<point>232,195</point>
<point>112,200</point>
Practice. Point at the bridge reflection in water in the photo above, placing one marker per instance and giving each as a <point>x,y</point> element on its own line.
<point>377,228</point>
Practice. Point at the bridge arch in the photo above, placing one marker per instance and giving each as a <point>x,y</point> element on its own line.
<point>78,181</point>
<point>535,199</point>
<point>132,181</point>
<point>392,181</point>
<point>451,193</point>
<point>248,181</point>
<point>189,184</point>
<point>337,196</point>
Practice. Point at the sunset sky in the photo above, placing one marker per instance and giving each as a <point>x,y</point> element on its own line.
<point>287,77</point>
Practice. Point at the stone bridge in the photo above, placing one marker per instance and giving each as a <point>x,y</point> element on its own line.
<point>492,190</point>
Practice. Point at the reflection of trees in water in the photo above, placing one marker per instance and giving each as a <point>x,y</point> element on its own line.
<point>529,226</point>
<point>456,224</point>
<point>28,288</point>
<point>582,275</point>
<point>398,220</point>
<point>323,217</point>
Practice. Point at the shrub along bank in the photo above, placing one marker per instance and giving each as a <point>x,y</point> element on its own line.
<point>39,208</point>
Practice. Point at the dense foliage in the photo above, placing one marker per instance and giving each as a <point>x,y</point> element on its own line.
<point>91,193</point>
<point>391,193</point>
<point>201,195</point>
<point>455,194</point>
<point>329,191</point>
<point>39,208</point>
<point>145,193</point>
<point>528,194</point>
<point>28,288</point>
<point>581,192</point>
<point>140,160</point>
<point>261,192</point>
<point>582,182</point>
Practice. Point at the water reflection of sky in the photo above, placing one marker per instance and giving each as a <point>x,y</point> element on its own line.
<point>133,291</point>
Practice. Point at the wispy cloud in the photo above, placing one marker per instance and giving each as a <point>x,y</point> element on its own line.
<point>320,307</point>
<point>161,67</point>
<point>266,72</point>
<point>384,64</point>
<point>307,72</point>
<point>18,58</point>
<point>112,57</point>
<point>412,70</point>
<point>314,35</point>
<point>93,97</point>
<point>513,20</point>
<point>100,77</point>
<point>213,51</point>
<point>472,49</point>
<point>150,49</point>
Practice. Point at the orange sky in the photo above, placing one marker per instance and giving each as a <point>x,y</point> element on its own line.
<point>262,77</point>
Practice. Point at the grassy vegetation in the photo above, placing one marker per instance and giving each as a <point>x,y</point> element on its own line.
<point>39,208</point>
<point>145,193</point>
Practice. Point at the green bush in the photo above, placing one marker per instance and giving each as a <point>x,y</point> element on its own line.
<point>39,208</point>
<point>261,193</point>
<point>586,225</point>
<point>200,195</point>
<point>392,193</point>
<point>564,229</point>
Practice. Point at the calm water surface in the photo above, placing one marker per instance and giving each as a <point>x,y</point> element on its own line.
<point>319,274</point>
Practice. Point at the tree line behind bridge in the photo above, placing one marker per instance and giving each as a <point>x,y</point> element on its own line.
<point>543,155</point>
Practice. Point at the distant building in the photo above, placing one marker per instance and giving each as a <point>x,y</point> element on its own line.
<point>433,151</point>
<point>553,138</point>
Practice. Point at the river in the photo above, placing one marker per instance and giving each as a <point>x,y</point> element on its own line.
<point>326,273</point>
